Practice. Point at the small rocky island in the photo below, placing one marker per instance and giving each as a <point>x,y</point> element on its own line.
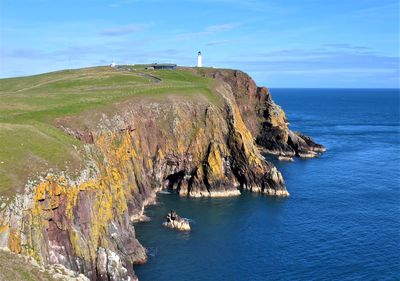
<point>176,222</point>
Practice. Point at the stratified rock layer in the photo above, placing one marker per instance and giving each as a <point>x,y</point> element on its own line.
<point>193,147</point>
<point>266,120</point>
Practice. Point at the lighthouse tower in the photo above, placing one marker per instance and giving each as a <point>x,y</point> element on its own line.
<point>199,59</point>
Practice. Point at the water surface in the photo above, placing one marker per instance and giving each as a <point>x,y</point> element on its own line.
<point>341,222</point>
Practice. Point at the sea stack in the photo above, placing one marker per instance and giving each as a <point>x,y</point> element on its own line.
<point>176,222</point>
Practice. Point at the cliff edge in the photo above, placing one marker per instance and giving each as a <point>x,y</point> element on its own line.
<point>196,132</point>
<point>265,119</point>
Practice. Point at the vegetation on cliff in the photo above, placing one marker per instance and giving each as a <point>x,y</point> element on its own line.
<point>113,138</point>
<point>29,140</point>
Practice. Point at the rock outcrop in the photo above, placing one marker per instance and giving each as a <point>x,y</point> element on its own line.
<point>266,120</point>
<point>193,147</point>
<point>176,222</point>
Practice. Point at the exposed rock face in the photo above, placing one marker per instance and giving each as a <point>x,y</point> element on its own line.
<point>16,267</point>
<point>265,119</point>
<point>192,147</point>
<point>275,136</point>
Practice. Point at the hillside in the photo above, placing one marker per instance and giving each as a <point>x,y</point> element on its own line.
<point>98,143</point>
<point>29,140</point>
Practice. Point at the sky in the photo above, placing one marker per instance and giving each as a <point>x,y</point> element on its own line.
<point>281,43</point>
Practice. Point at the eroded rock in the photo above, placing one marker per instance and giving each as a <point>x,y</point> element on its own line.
<point>265,119</point>
<point>176,222</point>
<point>193,147</point>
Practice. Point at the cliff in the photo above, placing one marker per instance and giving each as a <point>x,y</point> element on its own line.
<point>207,144</point>
<point>266,120</point>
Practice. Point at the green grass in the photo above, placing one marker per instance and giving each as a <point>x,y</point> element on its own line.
<point>16,268</point>
<point>29,141</point>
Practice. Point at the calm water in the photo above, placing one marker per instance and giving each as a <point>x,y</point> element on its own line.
<point>341,222</point>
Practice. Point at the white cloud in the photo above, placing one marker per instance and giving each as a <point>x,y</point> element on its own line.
<point>208,30</point>
<point>220,28</point>
<point>122,30</point>
<point>216,42</point>
<point>346,46</point>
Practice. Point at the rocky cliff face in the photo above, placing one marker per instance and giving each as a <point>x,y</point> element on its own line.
<point>265,119</point>
<point>192,147</point>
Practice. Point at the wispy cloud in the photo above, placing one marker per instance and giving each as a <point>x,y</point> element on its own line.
<point>217,42</point>
<point>346,46</point>
<point>330,71</point>
<point>208,31</point>
<point>253,5</point>
<point>318,56</point>
<point>125,29</point>
<point>23,53</point>
<point>220,28</point>
<point>379,10</point>
<point>330,63</point>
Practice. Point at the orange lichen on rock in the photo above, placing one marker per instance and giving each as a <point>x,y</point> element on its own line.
<point>245,140</point>
<point>14,241</point>
<point>3,228</point>
<point>55,202</point>
<point>195,148</point>
<point>214,161</point>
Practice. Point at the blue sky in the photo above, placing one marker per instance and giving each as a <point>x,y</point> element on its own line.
<point>282,43</point>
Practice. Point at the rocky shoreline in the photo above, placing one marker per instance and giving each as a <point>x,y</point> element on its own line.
<point>194,148</point>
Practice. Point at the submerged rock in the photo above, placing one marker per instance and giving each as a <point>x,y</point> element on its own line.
<point>176,222</point>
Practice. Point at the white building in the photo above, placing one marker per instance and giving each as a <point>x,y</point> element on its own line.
<point>113,64</point>
<point>199,59</point>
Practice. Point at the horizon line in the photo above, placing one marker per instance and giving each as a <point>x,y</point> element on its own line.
<point>268,87</point>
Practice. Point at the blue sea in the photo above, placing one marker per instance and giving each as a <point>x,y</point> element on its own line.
<point>341,222</point>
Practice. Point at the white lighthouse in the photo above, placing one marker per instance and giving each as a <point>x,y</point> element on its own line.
<point>199,60</point>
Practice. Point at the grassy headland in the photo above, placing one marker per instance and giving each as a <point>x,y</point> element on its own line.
<point>30,143</point>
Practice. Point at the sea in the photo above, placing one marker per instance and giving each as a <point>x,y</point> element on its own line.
<point>341,221</point>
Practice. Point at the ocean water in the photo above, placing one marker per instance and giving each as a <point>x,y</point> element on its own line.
<point>341,222</point>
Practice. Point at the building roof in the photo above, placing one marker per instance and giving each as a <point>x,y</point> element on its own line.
<point>160,64</point>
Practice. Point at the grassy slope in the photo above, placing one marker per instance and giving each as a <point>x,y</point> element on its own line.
<point>30,143</point>
<point>15,268</point>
